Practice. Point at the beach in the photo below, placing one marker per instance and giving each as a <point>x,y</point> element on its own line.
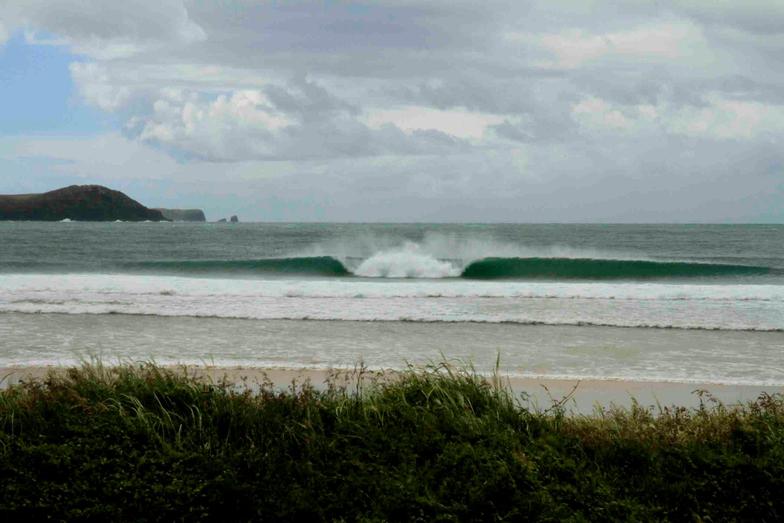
<point>546,363</point>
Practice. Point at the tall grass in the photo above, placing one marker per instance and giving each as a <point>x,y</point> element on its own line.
<point>145,443</point>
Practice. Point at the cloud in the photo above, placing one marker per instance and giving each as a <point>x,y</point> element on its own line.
<point>109,157</point>
<point>661,42</point>
<point>297,121</point>
<point>752,16</point>
<point>731,119</point>
<point>428,109</point>
<point>718,119</point>
<point>107,30</point>
<point>462,124</point>
<point>96,87</point>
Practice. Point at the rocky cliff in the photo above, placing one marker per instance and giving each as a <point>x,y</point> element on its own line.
<point>183,215</point>
<point>77,202</point>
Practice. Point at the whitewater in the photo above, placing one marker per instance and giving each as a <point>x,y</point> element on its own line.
<point>725,307</point>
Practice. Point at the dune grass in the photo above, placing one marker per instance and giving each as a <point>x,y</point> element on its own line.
<point>146,443</point>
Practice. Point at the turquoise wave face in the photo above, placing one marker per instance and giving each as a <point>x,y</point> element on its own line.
<point>306,266</point>
<point>553,269</point>
<point>601,269</point>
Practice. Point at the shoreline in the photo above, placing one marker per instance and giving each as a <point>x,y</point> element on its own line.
<point>538,353</point>
<point>582,396</point>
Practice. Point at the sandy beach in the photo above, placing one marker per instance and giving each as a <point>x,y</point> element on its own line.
<point>583,396</point>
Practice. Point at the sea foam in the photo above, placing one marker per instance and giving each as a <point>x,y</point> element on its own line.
<point>684,306</point>
<point>408,262</point>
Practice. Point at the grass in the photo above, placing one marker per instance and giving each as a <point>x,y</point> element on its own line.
<point>145,443</point>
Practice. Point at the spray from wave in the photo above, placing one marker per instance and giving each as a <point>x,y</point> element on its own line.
<point>408,262</point>
<point>458,249</point>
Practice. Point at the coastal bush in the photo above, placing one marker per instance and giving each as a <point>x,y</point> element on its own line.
<point>146,443</point>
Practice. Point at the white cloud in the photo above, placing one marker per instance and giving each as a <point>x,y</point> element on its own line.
<point>662,42</point>
<point>96,87</point>
<point>295,121</point>
<point>730,120</point>
<point>717,118</point>
<point>598,114</point>
<point>460,123</point>
<point>236,126</point>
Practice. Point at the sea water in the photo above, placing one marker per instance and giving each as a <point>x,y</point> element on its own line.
<point>646,302</point>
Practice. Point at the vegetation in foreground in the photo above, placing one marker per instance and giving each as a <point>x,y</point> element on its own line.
<point>143,443</point>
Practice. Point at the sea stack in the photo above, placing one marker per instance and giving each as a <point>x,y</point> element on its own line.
<point>234,219</point>
<point>76,202</point>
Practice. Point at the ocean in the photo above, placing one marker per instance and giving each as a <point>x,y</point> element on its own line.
<point>690,303</point>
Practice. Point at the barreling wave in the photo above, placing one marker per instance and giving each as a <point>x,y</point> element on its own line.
<point>602,269</point>
<point>417,265</point>
<point>306,266</point>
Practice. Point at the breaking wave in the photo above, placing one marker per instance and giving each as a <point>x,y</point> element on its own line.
<point>408,264</point>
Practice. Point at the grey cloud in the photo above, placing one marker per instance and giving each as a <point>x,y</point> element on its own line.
<point>755,16</point>
<point>107,29</point>
<point>551,127</point>
<point>347,27</point>
<point>744,88</point>
<point>307,100</point>
<point>478,92</point>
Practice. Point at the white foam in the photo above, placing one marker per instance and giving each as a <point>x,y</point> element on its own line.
<point>24,286</point>
<point>407,262</point>
<point>741,307</point>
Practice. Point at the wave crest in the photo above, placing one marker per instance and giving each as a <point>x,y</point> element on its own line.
<point>406,263</point>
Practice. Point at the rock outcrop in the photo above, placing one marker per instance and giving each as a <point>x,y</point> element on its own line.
<point>77,202</point>
<point>183,215</point>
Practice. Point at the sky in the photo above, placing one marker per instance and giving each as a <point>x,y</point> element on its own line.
<point>402,111</point>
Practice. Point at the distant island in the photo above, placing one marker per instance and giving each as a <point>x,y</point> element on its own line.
<point>87,203</point>
<point>183,215</point>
